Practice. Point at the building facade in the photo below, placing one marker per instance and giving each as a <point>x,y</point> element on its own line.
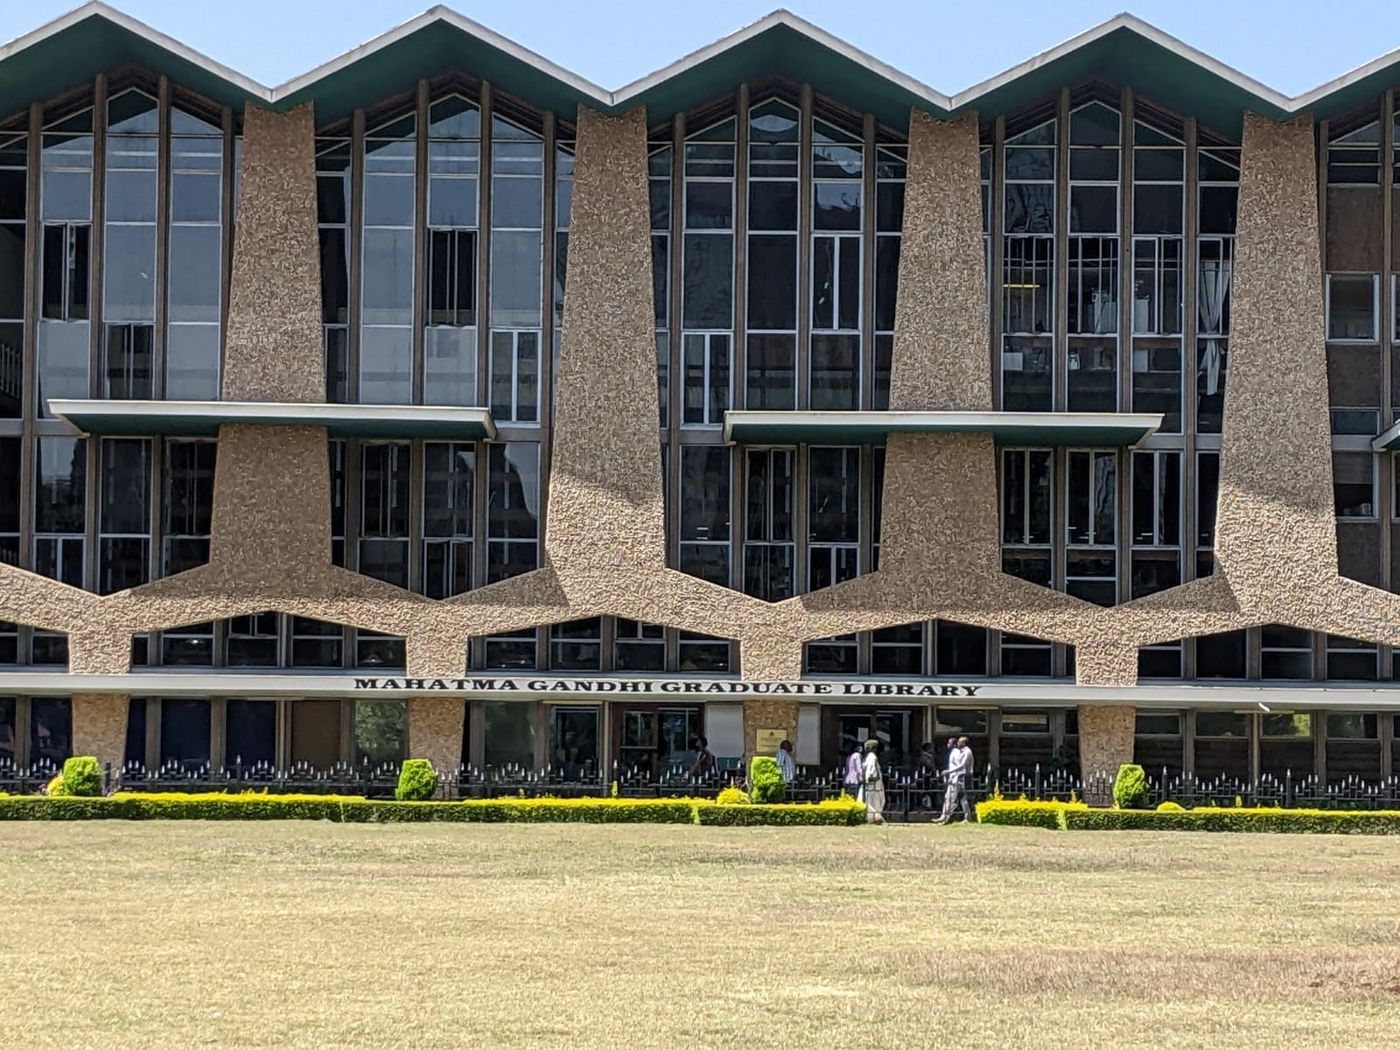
<point>440,403</point>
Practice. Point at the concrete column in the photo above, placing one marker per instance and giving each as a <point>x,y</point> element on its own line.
<point>764,713</point>
<point>1105,742</point>
<point>274,348</point>
<point>435,733</point>
<point>99,728</point>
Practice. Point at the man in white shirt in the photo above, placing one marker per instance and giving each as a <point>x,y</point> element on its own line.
<point>787,767</point>
<point>959,769</point>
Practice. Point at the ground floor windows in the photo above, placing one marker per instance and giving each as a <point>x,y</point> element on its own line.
<point>35,731</point>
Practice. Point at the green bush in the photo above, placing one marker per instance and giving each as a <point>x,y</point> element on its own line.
<point>417,781</point>
<point>82,777</point>
<point>732,796</point>
<point>765,782</point>
<point>1210,818</point>
<point>1170,807</point>
<point>54,788</point>
<point>347,809</point>
<point>1130,787</point>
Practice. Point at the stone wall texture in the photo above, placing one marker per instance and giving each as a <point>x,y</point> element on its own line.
<point>1105,743</point>
<point>603,550</point>
<point>99,728</point>
<point>435,732</point>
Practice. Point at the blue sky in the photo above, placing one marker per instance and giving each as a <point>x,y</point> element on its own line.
<point>1289,45</point>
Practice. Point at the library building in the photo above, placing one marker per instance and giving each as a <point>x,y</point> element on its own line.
<point>440,403</point>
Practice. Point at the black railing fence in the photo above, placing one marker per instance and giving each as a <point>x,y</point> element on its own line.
<point>910,794</point>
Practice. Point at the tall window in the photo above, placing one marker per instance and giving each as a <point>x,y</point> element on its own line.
<point>129,247</point>
<point>1091,525</point>
<point>704,535</point>
<point>187,502</point>
<point>124,522</point>
<point>454,165</point>
<point>837,222</point>
<point>384,511</point>
<point>1156,522</point>
<point>333,225</point>
<point>772,256</point>
<point>833,516</point>
<point>60,505</point>
<point>1159,267</point>
<point>1028,271</point>
<point>13,251</point>
<point>1207,491</point>
<point>659,188</point>
<point>512,510</point>
<point>891,163</point>
<point>387,260</point>
<point>1218,202</point>
<point>65,208</point>
<point>517,231</point>
<point>1092,363</point>
<point>449,483</point>
<point>194,259</point>
<point>1027,493</point>
<point>769,539</point>
<point>707,291</point>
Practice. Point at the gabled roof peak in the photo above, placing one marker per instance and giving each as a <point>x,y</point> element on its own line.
<point>1124,49</point>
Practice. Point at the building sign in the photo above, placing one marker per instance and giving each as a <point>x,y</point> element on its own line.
<point>768,739</point>
<point>669,686</point>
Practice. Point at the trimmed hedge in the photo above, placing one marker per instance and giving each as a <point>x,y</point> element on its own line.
<point>1209,818</point>
<point>765,780</point>
<point>834,811</point>
<point>348,809</point>
<point>1024,813</point>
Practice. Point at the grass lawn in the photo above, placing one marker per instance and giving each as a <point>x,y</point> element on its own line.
<point>310,935</point>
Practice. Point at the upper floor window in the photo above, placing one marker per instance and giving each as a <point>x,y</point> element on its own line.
<point>1354,157</point>
<point>387,261</point>
<point>1353,307</point>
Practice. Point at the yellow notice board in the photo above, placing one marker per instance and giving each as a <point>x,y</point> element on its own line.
<point>767,740</point>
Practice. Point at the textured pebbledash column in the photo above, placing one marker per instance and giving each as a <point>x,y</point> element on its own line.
<point>99,728</point>
<point>435,733</point>
<point>1106,733</point>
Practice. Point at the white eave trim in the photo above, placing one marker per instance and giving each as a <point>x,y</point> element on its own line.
<point>272,413</point>
<point>1385,437</point>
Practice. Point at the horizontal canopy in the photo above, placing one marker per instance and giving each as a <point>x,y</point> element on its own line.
<point>1008,428</point>
<point>203,418</point>
<point>1387,440</point>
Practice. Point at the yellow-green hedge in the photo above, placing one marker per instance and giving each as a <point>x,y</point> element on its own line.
<point>1025,813</point>
<point>1076,816</point>
<point>1211,818</point>
<point>353,809</point>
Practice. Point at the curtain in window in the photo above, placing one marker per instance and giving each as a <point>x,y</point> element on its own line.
<point>1214,291</point>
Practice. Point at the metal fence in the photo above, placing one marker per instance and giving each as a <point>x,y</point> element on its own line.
<point>911,795</point>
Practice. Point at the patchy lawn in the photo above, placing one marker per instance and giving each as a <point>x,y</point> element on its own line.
<point>303,935</point>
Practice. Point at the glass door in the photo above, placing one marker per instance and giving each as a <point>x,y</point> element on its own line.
<point>573,742</point>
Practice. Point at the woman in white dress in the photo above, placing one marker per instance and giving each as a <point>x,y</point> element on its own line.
<point>874,784</point>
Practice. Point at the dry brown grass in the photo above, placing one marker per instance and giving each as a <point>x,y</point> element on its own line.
<point>309,935</point>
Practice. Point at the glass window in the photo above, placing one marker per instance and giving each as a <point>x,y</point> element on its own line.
<point>195,259</point>
<point>449,482</point>
<point>512,509</point>
<point>1351,726</point>
<point>50,730</point>
<point>1351,659</point>
<point>1221,655</point>
<point>1354,484</point>
<point>381,731</point>
<point>1285,652</point>
<point>250,733</point>
<point>769,508</point>
<point>125,521</point>
<point>833,508</point>
<point>384,511</point>
<point>639,646</point>
<point>387,262</point>
<point>577,645</point>
<point>252,641</point>
<point>1353,304</point>
<point>509,734</point>
<point>187,504</point>
<point>316,644</point>
<point>1222,724</point>
<point>184,733</point>
<point>515,376</point>
<point>704,518</point>
<point>1158,723</point>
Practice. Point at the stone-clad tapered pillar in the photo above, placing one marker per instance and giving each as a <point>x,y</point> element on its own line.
<point>274,350</point>
<point>99,728</point>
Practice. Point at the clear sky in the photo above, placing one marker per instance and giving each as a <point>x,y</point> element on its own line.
<point>1291,45</point>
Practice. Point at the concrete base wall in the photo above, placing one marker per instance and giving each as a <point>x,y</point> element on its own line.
<point>768,714</point>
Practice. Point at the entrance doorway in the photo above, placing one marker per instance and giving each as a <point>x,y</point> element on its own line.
<point>573,742</point>
<point>896,729</point>
<point>657,740</point>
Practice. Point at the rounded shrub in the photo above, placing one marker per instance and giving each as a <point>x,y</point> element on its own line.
<point>417,781</point>
<point>765,781</point>
<point>55,786</point>
<point>82,777</point>
<point>1170,807</point>
<point>732,796</point>
<point>1130,787</point>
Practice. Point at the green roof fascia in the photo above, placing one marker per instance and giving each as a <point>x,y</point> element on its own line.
<point>802,428</point>
<point>781,50</point>
<point>161,421</point>
<point>434,48</point>
<point>1153,71</point>
<point>1326,103</point>
<point>70,58</point>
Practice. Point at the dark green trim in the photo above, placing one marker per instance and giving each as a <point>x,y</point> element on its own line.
<point>96,422</point>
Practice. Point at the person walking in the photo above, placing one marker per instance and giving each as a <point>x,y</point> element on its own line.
<point>855,774</point>
<point>959,769</point>
<point>874,782</point>
<point>704,763</point>
<point>787,766</point>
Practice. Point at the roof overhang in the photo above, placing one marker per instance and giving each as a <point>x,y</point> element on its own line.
<point>1099,429</point>
<point>1387,440</point>
<point>204,418</point>
<point>1125,50</point>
